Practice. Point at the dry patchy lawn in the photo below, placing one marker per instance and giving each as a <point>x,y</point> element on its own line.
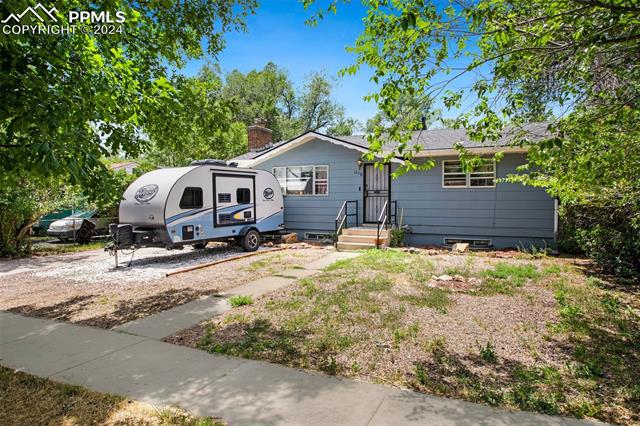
<point>107,302</point>
<point>531,333</point>
<point>29,400</point>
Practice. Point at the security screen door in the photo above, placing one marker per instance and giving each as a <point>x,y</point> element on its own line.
<point>376,191</point>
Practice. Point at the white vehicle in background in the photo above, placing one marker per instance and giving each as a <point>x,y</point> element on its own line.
<point>65,229</point>
<point>207,201</point>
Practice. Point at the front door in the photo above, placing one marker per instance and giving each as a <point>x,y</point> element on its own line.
<point>376,191</point>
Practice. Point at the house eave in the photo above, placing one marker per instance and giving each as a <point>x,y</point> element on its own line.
<point>311,135</point>
<point>298,141</point>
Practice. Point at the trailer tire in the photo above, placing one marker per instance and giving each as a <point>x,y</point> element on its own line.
<point>251,240</point>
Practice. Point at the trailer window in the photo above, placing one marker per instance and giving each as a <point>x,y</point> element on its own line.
<point>191,198</point>
<point>243,196</point>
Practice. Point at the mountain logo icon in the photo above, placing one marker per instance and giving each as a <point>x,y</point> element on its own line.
<point>43,13</point>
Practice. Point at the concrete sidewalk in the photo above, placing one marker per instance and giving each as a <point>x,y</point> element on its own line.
<point>172,320</point>
<point>237,390</point>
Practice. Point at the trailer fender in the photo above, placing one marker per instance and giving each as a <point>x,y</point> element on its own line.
<point>246,229</point>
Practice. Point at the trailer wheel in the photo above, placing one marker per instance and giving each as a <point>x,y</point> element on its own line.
<point>199,246</point>
<point>251,240</point>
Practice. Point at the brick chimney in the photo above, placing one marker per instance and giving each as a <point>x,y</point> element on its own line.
<point>259,134</point>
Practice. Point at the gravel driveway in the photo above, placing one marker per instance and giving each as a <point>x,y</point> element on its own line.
<point>141,266</point>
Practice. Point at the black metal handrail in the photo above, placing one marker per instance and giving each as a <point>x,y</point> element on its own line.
<point>386,217</point>
<point>342,220</point>
<point>382,220</point>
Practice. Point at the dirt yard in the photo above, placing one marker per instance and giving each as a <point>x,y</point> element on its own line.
<point>85,288</point>
<point>508,329</point>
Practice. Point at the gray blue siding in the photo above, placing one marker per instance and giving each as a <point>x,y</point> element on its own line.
<point>317,213</point>
<point>509,214</point>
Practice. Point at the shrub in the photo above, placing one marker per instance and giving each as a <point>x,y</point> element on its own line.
<point>18,211</point>
<point>23,199</point>
<point>397,237</point>
<point>609,234</point>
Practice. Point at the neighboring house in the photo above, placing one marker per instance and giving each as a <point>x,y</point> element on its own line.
<point>128,167</point>
<point>441,206</point>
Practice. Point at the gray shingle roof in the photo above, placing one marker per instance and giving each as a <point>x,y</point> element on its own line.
<point>437,139</point>
<point>253,154</point>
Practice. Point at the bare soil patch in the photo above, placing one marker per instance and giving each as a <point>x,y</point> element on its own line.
<point>74,292</point>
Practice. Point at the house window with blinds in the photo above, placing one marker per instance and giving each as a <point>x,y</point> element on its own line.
<point>303,180</point>
<point>483,176</point>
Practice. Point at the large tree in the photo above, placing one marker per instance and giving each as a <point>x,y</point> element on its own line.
<point>68,100</point>
<point>574,64</point>
<point>197,122</point>
<point>318,111</point>
<point>509,61</point>
<point>269,94</point>
<point>415,112</point>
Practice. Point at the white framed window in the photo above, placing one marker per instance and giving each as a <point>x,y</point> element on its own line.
<point>483,176</point>
<point>303,180</point>
<point>321,180</point>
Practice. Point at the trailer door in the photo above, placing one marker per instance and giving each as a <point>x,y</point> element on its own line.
<point>233,199</point>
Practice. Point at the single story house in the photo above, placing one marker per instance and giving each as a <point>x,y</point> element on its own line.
<point>440,206</point>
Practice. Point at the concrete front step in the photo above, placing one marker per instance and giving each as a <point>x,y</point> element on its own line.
<point>355,246</point>
<point>371,232</point>
<point>358,239</point>
<point>362,238</point>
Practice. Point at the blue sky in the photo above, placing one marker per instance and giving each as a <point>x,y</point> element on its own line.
<point>277,33</point>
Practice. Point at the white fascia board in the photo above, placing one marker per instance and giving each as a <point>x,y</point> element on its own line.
<point>300,140</point>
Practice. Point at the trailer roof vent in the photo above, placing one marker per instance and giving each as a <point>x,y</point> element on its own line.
<point>208,162</point>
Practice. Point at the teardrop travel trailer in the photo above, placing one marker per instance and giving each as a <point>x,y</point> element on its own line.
<point>207,201</point>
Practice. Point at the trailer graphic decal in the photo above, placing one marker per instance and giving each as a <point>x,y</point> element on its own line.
<point>186,214</point>
<point>228,210</point>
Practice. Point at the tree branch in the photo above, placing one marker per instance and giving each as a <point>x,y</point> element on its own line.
<point>619,8</point>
